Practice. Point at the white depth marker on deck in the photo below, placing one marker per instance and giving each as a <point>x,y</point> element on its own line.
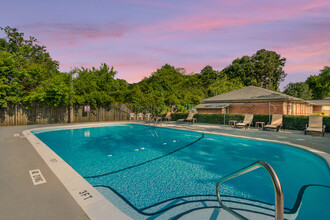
<point>16,135</point>
<point>37,177</point>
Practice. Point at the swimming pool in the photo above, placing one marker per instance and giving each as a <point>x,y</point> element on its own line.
<point>150,172</point>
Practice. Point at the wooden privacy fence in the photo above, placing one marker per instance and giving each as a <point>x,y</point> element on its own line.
<point>35,114</point>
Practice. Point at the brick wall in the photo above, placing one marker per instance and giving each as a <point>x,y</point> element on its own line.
<point>256,108</point>
<point>276,107</point>
<point>317,108</point>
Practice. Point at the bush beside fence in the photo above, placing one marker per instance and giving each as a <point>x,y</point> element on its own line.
<point>292,122</point>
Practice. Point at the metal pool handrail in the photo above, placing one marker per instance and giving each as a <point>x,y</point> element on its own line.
<point>279,204</point>
<point>157,120</point>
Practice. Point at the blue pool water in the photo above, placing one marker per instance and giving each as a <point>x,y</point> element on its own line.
<point>145,166</point>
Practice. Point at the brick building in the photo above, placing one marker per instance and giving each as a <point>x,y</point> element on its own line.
<point>255,100</point>
<point>321,105</point>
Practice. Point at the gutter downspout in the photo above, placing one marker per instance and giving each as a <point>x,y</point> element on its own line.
<point>269,111</point>
<point>224,115</point>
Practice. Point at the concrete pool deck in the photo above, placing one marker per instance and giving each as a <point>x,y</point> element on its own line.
<point>21,199</point>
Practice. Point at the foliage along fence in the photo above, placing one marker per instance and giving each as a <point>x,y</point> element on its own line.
<point>35,114</point>
<point>292,122</point>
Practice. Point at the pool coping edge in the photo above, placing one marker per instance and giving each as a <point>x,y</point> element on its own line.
<point>92,202</point>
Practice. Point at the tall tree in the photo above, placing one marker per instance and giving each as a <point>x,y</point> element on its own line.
<point>320,84</point>
<point>242,69</point>
<point>223,85</point>
<point>268,69</point>
<point>264,69</point>
<point>26,49</point>
<point>208,75</point>
<point>97,86</point>
<point>11,88</point>
<point>299,90</point>
<point>24,65</point>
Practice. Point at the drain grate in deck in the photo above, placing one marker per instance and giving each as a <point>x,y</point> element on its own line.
<point>37,177</point>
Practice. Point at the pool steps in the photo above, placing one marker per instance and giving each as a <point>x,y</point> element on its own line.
<point>190,207</point>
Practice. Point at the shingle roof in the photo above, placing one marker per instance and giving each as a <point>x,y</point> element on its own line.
<point>325,101</point>
<point>212,106</point>
<point>251,93</point>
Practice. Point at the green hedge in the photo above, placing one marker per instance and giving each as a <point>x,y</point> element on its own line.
<point>292,122</point>
<point>295,122</point>
<point>326,121</point>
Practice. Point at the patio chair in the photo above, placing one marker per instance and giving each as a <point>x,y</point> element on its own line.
<point>315,123</point>
<point>190,118</point>
<point>148,117</point>
<point>132,116</point>
<point>247,121</point>
<point>277,122</point>
<point>168,116</point>
<point>140,116</point>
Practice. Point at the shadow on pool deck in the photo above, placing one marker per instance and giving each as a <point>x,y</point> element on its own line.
<point>20,199</point>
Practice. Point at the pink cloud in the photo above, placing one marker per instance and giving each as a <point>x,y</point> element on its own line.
<point>305,51</point>
<point>286,8</point>
<point>315,4</point>
<point>66,34</point>
<point>199,23</point>
<point>217,17</point>
<point>311,68</point>
<point>307,57</point>
<point>203,23</point>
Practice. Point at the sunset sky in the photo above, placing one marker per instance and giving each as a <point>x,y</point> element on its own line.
<point>137,37</point>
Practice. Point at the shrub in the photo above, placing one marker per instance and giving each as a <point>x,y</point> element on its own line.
<point>295,122</point>
<point>177,116</point>
<point>319,114</point>
<point>326,122</point>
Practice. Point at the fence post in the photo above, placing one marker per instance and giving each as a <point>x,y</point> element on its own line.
<point>15,116</point>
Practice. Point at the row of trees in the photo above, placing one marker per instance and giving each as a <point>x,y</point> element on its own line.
<point>28,74</point>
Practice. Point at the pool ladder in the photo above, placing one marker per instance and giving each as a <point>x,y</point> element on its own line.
<point>279,204</point>
<point>157,121</point>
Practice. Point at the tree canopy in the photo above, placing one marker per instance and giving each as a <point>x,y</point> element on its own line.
<point>263,69</point>
<point>315,86</point>
<point>25,67</point>
<point>299,90</point>
<point>28,74</point>
<point>320,84</point>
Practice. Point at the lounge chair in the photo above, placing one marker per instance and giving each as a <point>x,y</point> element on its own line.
<point>148,117</point>
<point>168,116</point>
<point>315,123</point>
<point>132,116</point>
<point>247,121</point>
<point>190,118</point>
<point>277,122</point>
<point>140,116</point>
